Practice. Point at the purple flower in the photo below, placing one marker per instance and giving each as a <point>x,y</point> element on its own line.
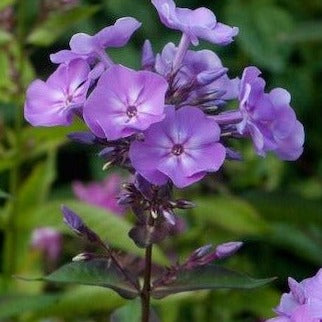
<point>201,73</point>
<point>196,24</point>
<point>268,118</point>
<point>54,102</point>
<point>183,147</point>
<point>125,102</point>
<point>303,303</point>
<point>48,241</point>
<point>102,194</point>
<point>85,46</point>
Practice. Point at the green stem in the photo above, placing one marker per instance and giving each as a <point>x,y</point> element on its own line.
<point>10,244</point>
<point>146,290</point>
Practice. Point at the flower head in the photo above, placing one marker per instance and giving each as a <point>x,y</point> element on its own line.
<point>85,46</point>
<point>183,148</point>
<point>125,102</point>
<point>268,118</point>
<point>196,24</point>
<point>48,241</point>
<point>54,102</point>
<point>102,194</point>
<point>303,303</point>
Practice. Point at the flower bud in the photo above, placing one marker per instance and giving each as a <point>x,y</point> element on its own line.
<point>227,249</point>
<point>148,59</point>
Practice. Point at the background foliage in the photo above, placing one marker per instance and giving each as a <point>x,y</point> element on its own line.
<point>274,206</point>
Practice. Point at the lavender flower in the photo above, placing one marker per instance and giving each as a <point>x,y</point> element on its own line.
<point>48,241</point>
<point>268,118</point>
<point>125,102</point>
<point>183,148</point>
<point>102,194</point>
<point>195,24</point>
<point>85,46</point>
<point>303,303</point>
<point>55,101</point>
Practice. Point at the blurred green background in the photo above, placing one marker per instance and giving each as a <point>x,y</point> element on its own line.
<point>274,206</point>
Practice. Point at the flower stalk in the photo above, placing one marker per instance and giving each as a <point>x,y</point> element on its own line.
<point>145,293</point>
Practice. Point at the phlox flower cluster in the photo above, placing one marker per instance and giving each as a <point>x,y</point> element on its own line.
<point>168,122</point>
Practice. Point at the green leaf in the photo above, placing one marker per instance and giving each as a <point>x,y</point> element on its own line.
<point>5,3</point>
<point>230,213</point>
<point>96,272</point>
<point>79,301</point>
<point>4,195</point>
<point>14,305</point>
<point>52,28</point>
<point>109,227</point>
<point>262,29</point>
<point>74,302</point>
<point>305,32</point>
<point>35,189</point>
<point>298,242</point>
<point>286,207</point>
<point>129,312</point>
<point>5,37</point>
<point>206,278</point>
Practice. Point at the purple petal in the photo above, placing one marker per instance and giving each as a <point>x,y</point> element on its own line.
<point>117,35</point>
<point>82,44</point>
<point>145,160</point>
<point>221,35</point>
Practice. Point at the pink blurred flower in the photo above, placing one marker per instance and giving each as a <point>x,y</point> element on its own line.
<point>48,241</point>
<point>102,194</point>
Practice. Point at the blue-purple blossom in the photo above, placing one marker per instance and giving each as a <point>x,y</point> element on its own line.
<point>303,303</point>
<point>55,101</point>
<point>90,47</point>
<point>268,118</point>
<point>195,24</point>
<point>125,102</point>
<point>183,148</point>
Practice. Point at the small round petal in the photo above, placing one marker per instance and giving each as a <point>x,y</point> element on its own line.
<point>82,44</point>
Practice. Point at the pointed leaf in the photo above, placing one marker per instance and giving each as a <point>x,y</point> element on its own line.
<point>97,272</point>
<point>230,213</point>
<point>207,278</point>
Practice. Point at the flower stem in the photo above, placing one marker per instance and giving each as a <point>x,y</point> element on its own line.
<point>145,293</point>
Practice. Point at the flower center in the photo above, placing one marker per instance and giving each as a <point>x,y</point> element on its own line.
<point>68,99</point>
<point>177,149</point>
<point>131,111</point>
